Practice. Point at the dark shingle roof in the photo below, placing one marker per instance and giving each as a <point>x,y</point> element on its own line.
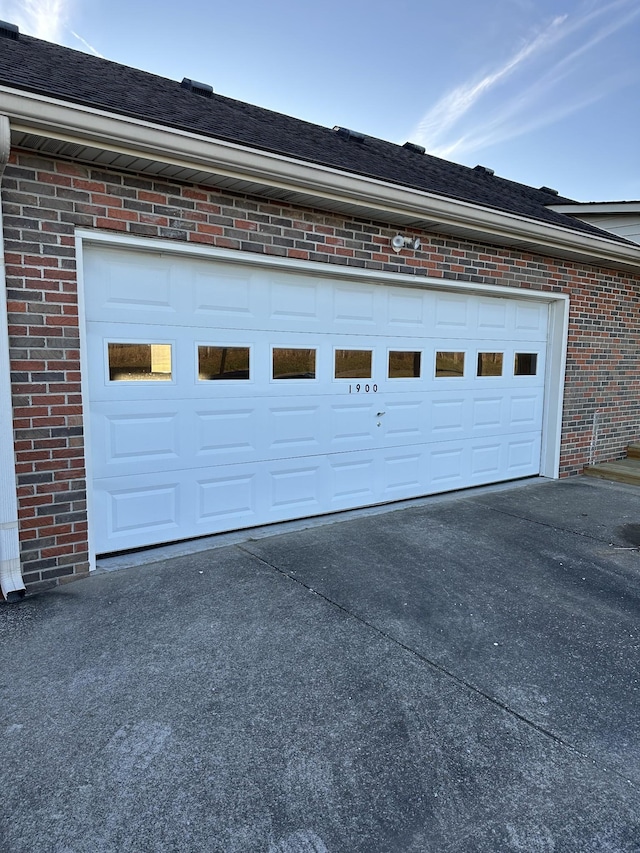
<point>49,69</point>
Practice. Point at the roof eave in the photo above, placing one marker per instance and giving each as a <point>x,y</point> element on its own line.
<point>172,152</point>
<point>595,207</point>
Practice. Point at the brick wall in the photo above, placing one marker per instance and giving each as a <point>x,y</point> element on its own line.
<point>44,201</point>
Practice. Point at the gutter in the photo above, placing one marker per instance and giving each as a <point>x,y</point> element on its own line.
<point>11,583</point>
<point>145,143</point>
<point>579,208</point>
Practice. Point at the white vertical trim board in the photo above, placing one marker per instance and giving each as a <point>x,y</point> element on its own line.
<point>10,575</point>
<point>84,388</point>
<point>554,387</point>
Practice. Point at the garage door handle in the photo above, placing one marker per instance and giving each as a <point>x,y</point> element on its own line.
<point>380,414</point>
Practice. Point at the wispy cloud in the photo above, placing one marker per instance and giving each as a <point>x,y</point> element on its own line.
<point>452,126</point>
<point>44,19</point>
<point>455,104</point>
<point>86,44</point>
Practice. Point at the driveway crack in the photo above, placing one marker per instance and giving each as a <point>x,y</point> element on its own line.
<point>467,685</point>
<point>552,526</point>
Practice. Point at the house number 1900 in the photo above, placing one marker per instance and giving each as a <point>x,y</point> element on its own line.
<point>356,389</point>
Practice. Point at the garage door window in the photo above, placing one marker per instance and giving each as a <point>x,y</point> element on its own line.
<point>293,363</point>
<point>526,364</point>
<point>226,363</point>
<point>353,363</point>
<point>449,364</point>
<point>139,362</point>
<point>404,365</point>
<point>490,364</point>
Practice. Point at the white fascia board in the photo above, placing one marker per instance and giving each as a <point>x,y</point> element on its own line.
<point>32,113</point>
<point>10,575</point>
<point>589,207</point>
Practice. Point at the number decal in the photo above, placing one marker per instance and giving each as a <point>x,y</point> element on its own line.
<point>366,388</point>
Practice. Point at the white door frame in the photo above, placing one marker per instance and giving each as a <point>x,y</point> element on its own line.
<point>556,347</point>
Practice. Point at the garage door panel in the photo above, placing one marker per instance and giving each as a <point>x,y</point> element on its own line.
<point>449,417</point>
<point>531,318</point>
<point>294,300</point>
<point>141,514</point>
<point>195,435</point>
<point>142,508</point>
<point>525,411</point>
<point>494,317</point>
<point>452,315</point>
<point>488,413</point>
<point>294,428</point>
<point>353,424</point>
<point>404,473</point>
<point>353,306</point>
<point>226,432</point>
<point>142,437</point>
<point>523,455</point>
<point>295,487</point>
<point>222,296</point>
<point>487,460</point>
<point>128,438</point>
<point>353,479</point>
<point>225,498</point>
<point>446,467</point>
<point>129,282</point>
<point>406,312</point>
<point>404,421</point>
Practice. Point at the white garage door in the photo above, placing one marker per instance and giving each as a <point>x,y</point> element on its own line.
<point>226,396</point>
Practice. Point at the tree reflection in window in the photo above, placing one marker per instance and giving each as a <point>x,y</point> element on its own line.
<point>450,364</point>
<point>217,362</point>
<point>404,365</point>
<point>293,363</point>
<point>526,364</point>
<point>139,362</point>
<point>353,364</point>
<point>489,364</point>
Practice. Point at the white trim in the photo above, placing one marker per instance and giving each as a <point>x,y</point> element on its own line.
<point>556,348</point>
<point>84,390</point>
<point>554,387</point>
<point>31,113</point>
<point>588,207</point>
<point>11,581</point>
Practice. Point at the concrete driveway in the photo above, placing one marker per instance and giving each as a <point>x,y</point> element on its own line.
<point>462,674</point>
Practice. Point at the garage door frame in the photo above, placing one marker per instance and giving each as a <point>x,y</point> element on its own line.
<point>558,304</point>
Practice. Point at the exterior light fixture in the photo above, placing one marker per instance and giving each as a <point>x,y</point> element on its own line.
<point>399,242</point>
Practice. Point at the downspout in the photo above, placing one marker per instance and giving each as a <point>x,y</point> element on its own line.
<point>11,583</point>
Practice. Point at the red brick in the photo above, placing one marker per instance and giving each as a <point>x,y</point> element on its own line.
<point>50,178</point>
<point>111,224</point>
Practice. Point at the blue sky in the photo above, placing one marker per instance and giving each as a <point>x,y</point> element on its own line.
<point>541,91</point>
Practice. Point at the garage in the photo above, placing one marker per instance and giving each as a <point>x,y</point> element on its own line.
<point>225,395</point>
